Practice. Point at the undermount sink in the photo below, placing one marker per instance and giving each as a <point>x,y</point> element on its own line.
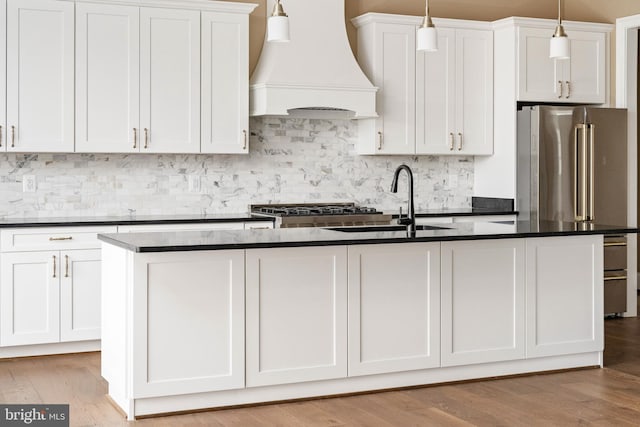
<point>383,228</point>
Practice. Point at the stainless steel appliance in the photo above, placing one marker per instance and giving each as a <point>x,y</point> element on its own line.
<point>320,214</point>
<point>572,166</point>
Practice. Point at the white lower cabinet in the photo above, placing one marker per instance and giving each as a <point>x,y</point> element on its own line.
<point>49,297</point>
<point>394,308</point>
<point>564,295</point>
<point>188,320</point>
<point>296,306</point>
<point>50,288</point>
<point>483,301</point>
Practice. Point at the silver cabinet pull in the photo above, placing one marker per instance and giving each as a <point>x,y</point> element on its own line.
<point>0,135</point>
<point>146,138</point>
<point>611,244</point>
<point>559,89</point>
<point>379,140</point>
<point>54,266</point>
<point>459,141</point>
<point>568,89</point>
<point>244,135</point>
<point>135,137</point>
<point>13,136</point>
<point>66,266</point>
<point>608,278</point>
<point>451,141</point>
<point>53,239</point>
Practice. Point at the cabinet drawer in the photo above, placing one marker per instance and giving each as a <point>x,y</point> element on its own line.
<point>615,254</point>
<point>615,292</point>
<point>51,238</point>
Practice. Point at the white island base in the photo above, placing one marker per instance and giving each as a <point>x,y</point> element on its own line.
<point>204,329</point>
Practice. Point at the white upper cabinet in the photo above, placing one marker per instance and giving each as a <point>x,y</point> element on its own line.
<point>170,80</point>
<point>455,94</point>
<point>40,76</point>
<point>429,103</point>
<point>145,85</point>
<point>107,78</point>
<point>225,83</point>
<point>387,54</point>
<point>3,77</point>
<point>580,79</point>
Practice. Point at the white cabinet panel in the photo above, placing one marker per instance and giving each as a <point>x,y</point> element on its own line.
<point>394,308</point>
<point>296,315</point>
<point>170,80</point>
<point>3,76</point>
<point>225,83</point>
<point>107,78</point>
<point>483,301</point>
<point>564,295</point>
<point>80,295</point>
<point>455,94</point>
<point>582,78</point>
<point>40,76</point>
<point>392,50</point>
<point>29,298</point>
<point>200,345</point>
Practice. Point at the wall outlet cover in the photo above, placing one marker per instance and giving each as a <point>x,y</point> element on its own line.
<point>29,183</point>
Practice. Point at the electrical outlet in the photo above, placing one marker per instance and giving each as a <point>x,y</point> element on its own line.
<point>194,184</point>
<point>29,183</point>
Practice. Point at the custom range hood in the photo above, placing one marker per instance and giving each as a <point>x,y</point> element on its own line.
<point>315,73</point>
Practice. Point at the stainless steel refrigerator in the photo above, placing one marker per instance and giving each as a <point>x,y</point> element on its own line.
<point>572,166</point>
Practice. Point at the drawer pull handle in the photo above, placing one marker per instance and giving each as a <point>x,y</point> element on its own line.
<point>379,140</point>
<point>13,136</point>
<point>451,141</point>
<point>568,90</point>
<point>54,266</point>
<point>606,279</point>
<point>259,228</point>
<point>53,239</point>
<point>460,141</point>
<point>244,136</point>
<point>146,138</point>
<point>0,136</point>
<point>135,137</point>
<point>66,266</point>
<point>559,89</point>
<point>610,244</point>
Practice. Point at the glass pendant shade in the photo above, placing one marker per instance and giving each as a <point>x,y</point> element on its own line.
<point>560,47</point>
<point>278,25</point>
<point>427,39</point>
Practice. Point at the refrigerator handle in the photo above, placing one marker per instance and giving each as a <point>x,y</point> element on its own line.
<point>580,177</point>
<point>591,213</point>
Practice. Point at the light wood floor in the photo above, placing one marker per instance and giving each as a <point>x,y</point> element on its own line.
<point>598,397</point>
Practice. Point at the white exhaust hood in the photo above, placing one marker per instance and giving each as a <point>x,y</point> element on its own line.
<point>315,71</point>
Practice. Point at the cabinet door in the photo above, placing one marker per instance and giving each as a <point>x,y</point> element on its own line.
<point>3,77</point>
<point>296,315</point>
<point>225,83</point>
<point>107,78</point>
<point>394,308</point>
<point>538,77</point>
<point>40,75</point>
<point>170,80</point>
<point>564,295</point>
<point>29,298</point>
<point>474,92</point>
<point>200,346</point>
<point>584,74</point>
<point>394,75</point>
<point>435,101</point>
<point>482,301</point>
<point>80,295</point>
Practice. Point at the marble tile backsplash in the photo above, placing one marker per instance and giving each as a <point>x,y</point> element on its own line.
<point>290,161</point>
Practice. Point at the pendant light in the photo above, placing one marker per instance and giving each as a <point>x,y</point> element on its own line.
<point>426,37</point>
<point>560,47</point>
<point>278,25</point>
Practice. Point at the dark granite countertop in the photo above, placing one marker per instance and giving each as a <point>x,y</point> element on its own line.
<point>464,212</point>
<point>299,237</point>
<point>125,220</point>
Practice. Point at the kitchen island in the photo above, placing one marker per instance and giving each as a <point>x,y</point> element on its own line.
<point>198,320</point>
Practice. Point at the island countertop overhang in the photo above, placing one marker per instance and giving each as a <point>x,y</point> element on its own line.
<point>301,237</point>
